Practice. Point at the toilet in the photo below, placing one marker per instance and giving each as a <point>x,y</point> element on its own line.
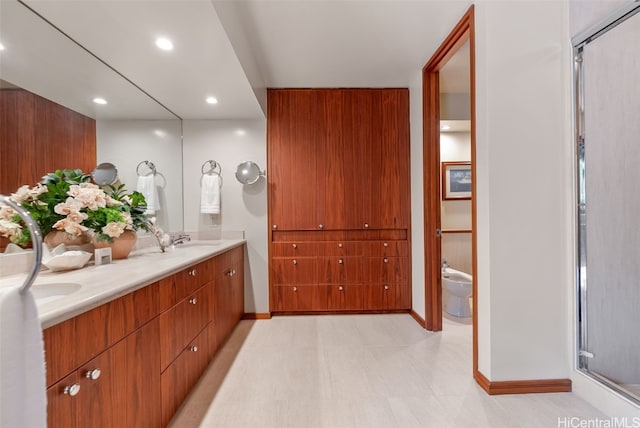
<point>456,290</point>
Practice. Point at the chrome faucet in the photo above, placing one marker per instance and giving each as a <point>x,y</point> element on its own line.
<point>180,239</point>
<point>445,265</point>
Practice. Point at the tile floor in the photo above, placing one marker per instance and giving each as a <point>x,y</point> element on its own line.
<point>358,371</point>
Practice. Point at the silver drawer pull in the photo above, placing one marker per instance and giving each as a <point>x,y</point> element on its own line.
<point>295,245</point>
<point>295,262</point>
<point>340,245</point>
<point>295,288</point>
<point>341,261</point>
<point>194,348</point>
<point>321,226</point>
<point>93,374</point>
<point>366,225</point>
<point>386,244</point>
<point>193,300</point>
<point>71,390</point>
<point>275,226</point>
<point>341,288</point>
<point>386,287</point>
<point>386,260</point>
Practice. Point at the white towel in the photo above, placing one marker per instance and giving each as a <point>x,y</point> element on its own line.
<point>147,186</point>
<point>23,398</point>
<point>210,194</point>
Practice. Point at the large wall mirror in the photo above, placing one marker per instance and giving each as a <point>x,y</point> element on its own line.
<point>607,129</point>
<point>130,129</point>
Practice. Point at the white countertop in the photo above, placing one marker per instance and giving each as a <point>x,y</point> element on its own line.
<point>63,295</point>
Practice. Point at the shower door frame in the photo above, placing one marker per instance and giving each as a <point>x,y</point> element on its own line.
<point>579,42</point>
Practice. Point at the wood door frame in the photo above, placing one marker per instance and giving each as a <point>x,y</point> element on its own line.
<point>463,31</point>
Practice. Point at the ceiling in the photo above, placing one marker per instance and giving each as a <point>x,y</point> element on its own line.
<point>233,50</point>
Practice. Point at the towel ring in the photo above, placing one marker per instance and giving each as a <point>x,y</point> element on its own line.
<point>149,165</point>
<point>215,168</point>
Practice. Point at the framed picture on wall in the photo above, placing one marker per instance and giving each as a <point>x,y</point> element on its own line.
<point>456,180</point>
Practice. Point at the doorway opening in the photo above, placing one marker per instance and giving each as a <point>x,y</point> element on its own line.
<point>458,47</point>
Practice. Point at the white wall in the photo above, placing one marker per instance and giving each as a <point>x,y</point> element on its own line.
<point>230,142</point>
<point>126,143</point>
<point>417,196</point>
<point>523,180</point>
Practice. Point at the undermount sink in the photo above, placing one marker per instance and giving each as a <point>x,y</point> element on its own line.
<point>198,244</point>
<point>46,293</point>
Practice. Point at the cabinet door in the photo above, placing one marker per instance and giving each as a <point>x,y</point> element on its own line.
<point>291,135</point>
<point>62,403</point>
<point>95,400</point>
<point>386,296</point>
<point>237,280</point>
<point>295,271</point>
<point>338,270</point>
<point>386,175</point>
<point>345,297</point>
<point>380,270</point>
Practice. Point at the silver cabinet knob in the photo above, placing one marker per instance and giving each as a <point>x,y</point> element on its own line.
<point>194,348</point>
<point>386,260</point>
<point>295,288</point>
<point>295,262</point>
<point>386,287</point>
<point>275,226</point>
<point>93,374</point>
<point>366,225</point>
<point>72,390</point>
<point>341,261</point>
<point>341,288</point>
<point>386,244</point>
<point>295,245</point>
<point>192,272</point>
<point>340,245</point>
<point>321,226</point>
<point>193,300</point>
<point>234,271</point>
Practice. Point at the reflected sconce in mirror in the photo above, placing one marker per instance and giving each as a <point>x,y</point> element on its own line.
<point>105,174</point>
<point>249,173</point>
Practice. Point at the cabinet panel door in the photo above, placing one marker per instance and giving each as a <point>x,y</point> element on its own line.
<point>289,270</point>
<point>338,270</point>
<point>293,249</point>
<point>390,248</point>
<point>386,296</point>
<point>61,407</point>
<point>292,136</point>
<point>385,182</point>
<point>385,270</point>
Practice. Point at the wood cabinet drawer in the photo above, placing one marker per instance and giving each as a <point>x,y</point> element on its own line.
<point>180,324</point>
<point>298,298</point>
<point>176,287</point>
<point>345,297</point>
<point>390,248</point>
<point>79,339</point>
<point>338,270</point>
<point>293,249</point>
<point>381,270</point>
<point>339,248</point>
<point>386,296</point>
<point>290,270</point>
<point>182,374</point>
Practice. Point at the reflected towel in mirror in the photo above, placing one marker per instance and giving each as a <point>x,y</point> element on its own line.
<point>147,186</point>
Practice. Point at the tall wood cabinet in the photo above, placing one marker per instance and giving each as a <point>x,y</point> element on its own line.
<point>339,189</point>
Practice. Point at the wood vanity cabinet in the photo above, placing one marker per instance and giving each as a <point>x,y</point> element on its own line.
<point>339,162</point>
<point>132,361</point>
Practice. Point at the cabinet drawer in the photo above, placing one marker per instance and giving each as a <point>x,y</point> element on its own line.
<point>293,249</point>
<point>380,270</point>
<point>290,270</point>
<point>180,324</point>
<point>347,297</point>
<point>298,298</point>
<point>339,248</point>
<point>176,287</point>
<point>338,270</point>
<point>388,248</point>
<point>386,296</point>
<point>182,374</point>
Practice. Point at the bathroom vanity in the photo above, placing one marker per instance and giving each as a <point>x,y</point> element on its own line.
<point>125,342</point>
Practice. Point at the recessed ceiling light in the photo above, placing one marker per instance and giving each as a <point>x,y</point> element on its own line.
<point>212,100</point>
<point>99,101</point>
<point>164,44</point>
<point>160,133</point>
<point>445,127</point>
<point>1,47</point>
<point>241,132</point>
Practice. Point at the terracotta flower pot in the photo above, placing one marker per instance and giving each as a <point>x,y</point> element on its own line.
<point>121,246</point>
<point>57,237</point>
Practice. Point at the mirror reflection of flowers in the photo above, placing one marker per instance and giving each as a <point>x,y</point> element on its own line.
<point>66,200</point>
